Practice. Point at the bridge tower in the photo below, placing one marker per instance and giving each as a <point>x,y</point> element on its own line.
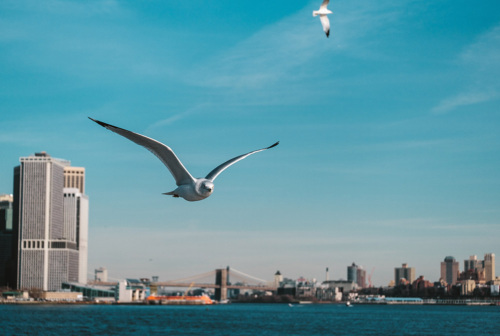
<point>221,276</point>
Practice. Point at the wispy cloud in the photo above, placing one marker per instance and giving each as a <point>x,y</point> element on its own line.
<point>262,57</point>
<point>480,63</point>
<point>179,116</point>
<point>464,99</point>
<point>279,51</point>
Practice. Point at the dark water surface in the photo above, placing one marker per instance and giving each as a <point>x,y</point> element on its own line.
<point>249,319</point>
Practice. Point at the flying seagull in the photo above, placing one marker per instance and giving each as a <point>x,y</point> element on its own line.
<point>323,12</point>
<point>188,187</point>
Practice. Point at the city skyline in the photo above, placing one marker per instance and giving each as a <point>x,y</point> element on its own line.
<point>388,129</point>
<point>73,210</point>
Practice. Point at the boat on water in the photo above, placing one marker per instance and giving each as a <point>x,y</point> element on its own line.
<point>180,300</point>
<point>348,304</point>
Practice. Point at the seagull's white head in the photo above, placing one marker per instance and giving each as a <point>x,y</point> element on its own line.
<point>206,188</point>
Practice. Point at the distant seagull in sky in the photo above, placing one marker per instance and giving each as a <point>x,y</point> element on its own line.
<point>188,187</point>
<point>323,12</point>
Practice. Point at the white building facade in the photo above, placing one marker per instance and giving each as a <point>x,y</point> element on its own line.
<point>76,224</point>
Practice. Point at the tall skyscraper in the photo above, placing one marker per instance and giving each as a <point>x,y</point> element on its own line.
<point>489,266</point>
<point>76,215</point>
<point>76,219</point>
<point>48,233</point>
<point>361,277</point>
<point>470,264</point>
<point>449,270</point>
<point>352,273</point>
<point>404,272</point>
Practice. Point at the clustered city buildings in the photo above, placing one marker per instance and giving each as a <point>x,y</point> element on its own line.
<point>477,280</point>
<point>44,248</point>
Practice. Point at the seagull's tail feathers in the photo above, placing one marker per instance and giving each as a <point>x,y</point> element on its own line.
<point>315,13</point>
<point>172,193</point>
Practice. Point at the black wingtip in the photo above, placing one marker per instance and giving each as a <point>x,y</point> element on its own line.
<point>100,122</point>
<point>274,145</point>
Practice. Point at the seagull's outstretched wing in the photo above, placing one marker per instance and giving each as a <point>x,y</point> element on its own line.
<point>214,173</point>
<point>324,4</point>
<point>163,152</point>
<point>325,23</point>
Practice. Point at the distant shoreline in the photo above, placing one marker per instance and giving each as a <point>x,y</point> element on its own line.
<point>353,303</point>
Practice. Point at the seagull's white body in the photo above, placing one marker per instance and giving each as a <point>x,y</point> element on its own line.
<point>188,187</point>
<point>323,12</point>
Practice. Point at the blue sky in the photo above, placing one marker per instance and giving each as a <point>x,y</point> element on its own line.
<point>389,135</point>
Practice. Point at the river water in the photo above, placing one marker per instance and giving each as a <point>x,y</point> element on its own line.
<point>249,319</point>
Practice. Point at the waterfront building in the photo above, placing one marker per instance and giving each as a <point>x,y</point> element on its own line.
<point>327,293</point>
<point>344,286</point>
<point>278,279</point>
<point>63,296</point>
<point>131,290</point>
<point>305,290</point>
<point>494,290</point>
<point>449,270</point>
<point>467,287</point>
<point>101,274</point>
<point>489,266</point>
<point>48,240</point>
<point>97,293</point>
<point>352,273</point>
<point>404,272</point>
<point>124,291</point>
<point>287,287</point>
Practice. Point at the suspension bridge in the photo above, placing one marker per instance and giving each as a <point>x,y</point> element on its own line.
<point>220,280</point>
